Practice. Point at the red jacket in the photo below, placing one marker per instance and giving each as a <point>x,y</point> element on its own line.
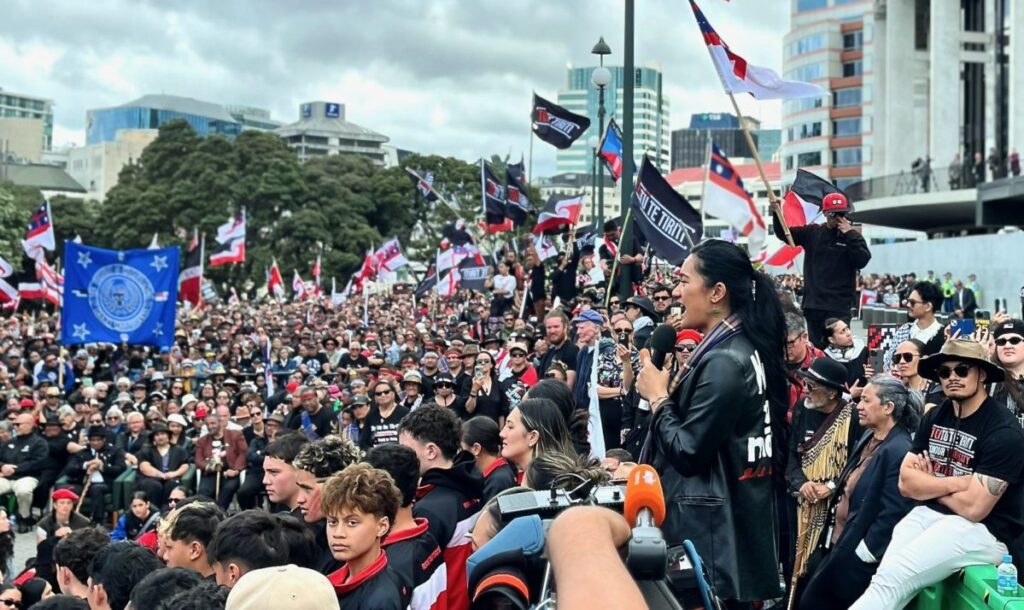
<point>232,444</point>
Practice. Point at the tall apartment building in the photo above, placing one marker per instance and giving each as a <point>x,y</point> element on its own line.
<point>20,106</point>
<point>323,129</point>
<point>650,115</point>
<point>908,79</point>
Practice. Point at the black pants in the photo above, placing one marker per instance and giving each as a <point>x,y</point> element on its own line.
<point>157,490</point>
<point>41,494</point>
<point>228,488</point>
<point>97,503</point>
<point>839,579</point>
<point>816,324</point>
<point>611,422</point>
<point>251,491</point>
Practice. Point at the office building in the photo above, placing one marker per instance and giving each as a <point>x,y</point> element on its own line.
<point>907,80</point>
<point>21,139</point>
<point>690,145</point>
<point>97,167</point>
<point>17,105</point>
<point>650,115</point>
<point>253,119</point>
<point>152,111</point>
<point>322,129</point>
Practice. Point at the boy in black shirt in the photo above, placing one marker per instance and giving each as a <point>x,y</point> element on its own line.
<point>360,504</point>
<point>965,469</point>
<point>410,548</point>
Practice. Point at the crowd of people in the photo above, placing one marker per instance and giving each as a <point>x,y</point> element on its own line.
<point>317,455</point>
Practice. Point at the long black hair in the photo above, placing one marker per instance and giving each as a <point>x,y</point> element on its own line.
<point>575,419</point>
<point>752,297</point>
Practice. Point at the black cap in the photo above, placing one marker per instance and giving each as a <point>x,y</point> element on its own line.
<point>52,420</point>
<point>97,431</point>
<point>1009,327</point>
<point>644,304</point>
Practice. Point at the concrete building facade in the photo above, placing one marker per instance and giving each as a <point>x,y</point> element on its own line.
<point>651,115</point>
<point>322,129</point>
<point>22,139</point>
<point>908,79</point>
<point>97,167</point>
<point>21,106</point>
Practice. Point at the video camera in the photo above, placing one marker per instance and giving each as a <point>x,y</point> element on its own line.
<point>512,570</point>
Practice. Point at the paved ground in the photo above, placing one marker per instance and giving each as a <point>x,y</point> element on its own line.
<point>24,548</point>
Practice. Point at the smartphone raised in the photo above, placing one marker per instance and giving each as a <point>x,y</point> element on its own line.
<point>965,326</point>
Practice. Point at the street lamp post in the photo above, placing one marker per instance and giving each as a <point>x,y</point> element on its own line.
<point>601,77</point>
<point>593,142</point>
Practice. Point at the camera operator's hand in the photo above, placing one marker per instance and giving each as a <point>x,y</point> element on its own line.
<point>582,545</point>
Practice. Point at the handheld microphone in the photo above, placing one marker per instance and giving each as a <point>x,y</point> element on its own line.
<point>661,344</point>
<point>645,501</point>
<point>645,509</point>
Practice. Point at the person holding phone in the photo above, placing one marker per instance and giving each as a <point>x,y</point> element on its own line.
<point>833,253</point>
<point>485,396</point>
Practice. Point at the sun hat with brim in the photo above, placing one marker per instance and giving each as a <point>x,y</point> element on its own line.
<point>827,372</point>
<point>177,418</point>
<point>962,350</point>
<point>643,304</point>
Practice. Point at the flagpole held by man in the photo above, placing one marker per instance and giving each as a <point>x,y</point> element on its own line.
<point>739,76</point>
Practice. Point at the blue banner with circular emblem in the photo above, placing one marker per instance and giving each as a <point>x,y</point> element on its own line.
<point>119,296</point>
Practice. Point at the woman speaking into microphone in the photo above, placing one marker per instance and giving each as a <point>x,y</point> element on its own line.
<point>710,434</point>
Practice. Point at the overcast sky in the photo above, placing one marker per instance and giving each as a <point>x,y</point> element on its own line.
<point>450,77</point>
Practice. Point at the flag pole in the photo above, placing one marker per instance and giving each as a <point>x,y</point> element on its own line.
<point>618,253</point>
<point>704,186</point>
<point>529,174</point>
<point>772,200</point>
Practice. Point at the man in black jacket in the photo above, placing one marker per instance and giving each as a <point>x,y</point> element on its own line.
<point>101,464</point>
<point>833,253</point>
<point>21,461</point>
<point>449,493</point>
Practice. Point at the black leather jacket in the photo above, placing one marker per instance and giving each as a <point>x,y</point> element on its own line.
<point>713,451</point>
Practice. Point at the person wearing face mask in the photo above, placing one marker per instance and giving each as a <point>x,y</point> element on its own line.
<point>825,430</point>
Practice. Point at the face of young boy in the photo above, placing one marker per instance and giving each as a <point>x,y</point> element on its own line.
<point>353,533</point>
<point>308,496</point>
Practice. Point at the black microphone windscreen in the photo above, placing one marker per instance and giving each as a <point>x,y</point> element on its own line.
<point>661,344</point>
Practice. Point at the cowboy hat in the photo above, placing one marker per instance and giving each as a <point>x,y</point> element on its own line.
<point>962,350</point>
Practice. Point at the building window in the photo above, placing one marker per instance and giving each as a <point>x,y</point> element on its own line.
<point>807,44</point>
<point>853,68</point>
<point>807,130</point>
<point>807,103</point>
<point>807,73</point>
<point>853,41</point>
<point>808,159</point>
<point>922,23</point>
<point>842,157</point>
<point>844,183</point>
<point>847,97</point>
<point>810,5</point>
<point>847,127</point>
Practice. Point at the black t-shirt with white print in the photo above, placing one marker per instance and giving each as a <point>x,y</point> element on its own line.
<point>990,441</point>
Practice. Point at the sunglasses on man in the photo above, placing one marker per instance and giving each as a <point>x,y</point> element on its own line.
<point>1003,341</point>
<point>960,370</point>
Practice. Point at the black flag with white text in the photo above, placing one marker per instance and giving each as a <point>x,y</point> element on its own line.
<point>556,125</point>
<point>665,218</point>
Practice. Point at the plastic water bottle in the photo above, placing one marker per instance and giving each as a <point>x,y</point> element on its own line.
<point>1006,581</point>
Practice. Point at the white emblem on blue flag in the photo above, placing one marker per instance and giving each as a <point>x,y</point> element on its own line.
<point>121,297</point>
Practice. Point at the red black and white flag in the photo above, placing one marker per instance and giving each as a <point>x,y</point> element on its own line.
<point>801,207</point>
<point>275,283</point>
<point>190,280</point>
<point>556,125</point>
<point>493,201</point>
<point>49,285</point>
<point>558,213</point>
<point>230,252</point>
<point>316,276</point>
<point>300,290</point>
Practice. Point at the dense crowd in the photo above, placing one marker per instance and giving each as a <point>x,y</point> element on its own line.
<point>311,454</point>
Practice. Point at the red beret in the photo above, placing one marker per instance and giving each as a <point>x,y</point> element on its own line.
<point>202,412</point>
<point>291,386</point>
<point>688,333</point>
<point>64,494</point>
<point>27,403</point>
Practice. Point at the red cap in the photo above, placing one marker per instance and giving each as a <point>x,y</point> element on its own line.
<point>688,333</point>
<point>27,403</point>
<point>64,494</point>
<point>835,202</point>
<point>202,412</point>
<point>291,386</point>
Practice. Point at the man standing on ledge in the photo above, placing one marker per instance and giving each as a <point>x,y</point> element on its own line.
<point>833,253</point>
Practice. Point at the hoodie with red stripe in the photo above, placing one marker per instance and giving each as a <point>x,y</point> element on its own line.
<point>449,499</point>
<point>378,587</point>
<point>415,555</point>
